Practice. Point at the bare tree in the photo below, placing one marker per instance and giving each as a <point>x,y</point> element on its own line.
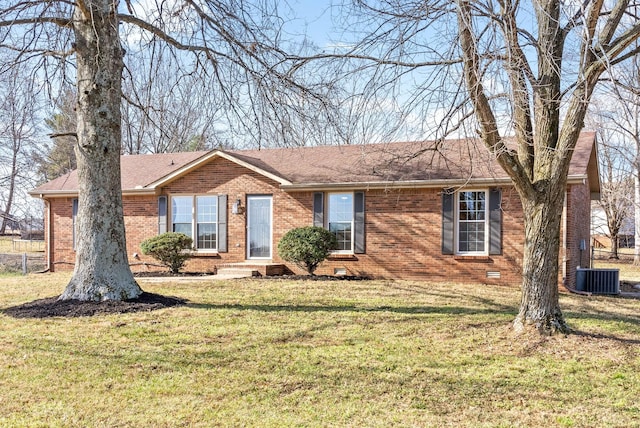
<point>235,45</point>
<point>616,158</point>
<point>522,68</point>
<point>17,136</point>
<point>57,157</point>
<point>165,114</point>
<point>619,112</point>
<point>615,198</point>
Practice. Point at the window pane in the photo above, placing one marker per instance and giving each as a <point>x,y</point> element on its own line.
<point>342,231</point>
<point>340,207</point>
<point>181,213</point>
<point>207,208</point>
<point>182,228</point>
<point>207,237</point>
<point>181,209</point>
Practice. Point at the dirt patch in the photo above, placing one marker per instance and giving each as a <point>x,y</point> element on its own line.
<point>314,278</point>
<point>52,307</point>
<point>629,287</point>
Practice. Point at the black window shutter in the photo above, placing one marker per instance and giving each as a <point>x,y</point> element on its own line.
<point>447,221</point>
<point>318,209</point>
<point>162,214</point>
<point>359,232</point>
<point>495,221</point>
<point>74,224</point>
<point>222,223</point>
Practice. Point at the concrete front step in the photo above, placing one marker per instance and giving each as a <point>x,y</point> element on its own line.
<point>236,272</point>
<point>248,269</point>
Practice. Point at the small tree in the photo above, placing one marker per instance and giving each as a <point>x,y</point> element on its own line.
<point>307,247</point>
<point>169,249</point>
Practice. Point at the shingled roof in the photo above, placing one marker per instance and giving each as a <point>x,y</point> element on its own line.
<point>404,164</point>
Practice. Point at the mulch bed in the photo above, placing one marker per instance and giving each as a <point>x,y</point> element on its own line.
<point>314,278</point>
<point>168,274</point>
<point>52,307</point>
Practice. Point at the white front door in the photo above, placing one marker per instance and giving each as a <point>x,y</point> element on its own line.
<point>259,214</point>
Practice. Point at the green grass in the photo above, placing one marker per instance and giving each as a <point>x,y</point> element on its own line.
<point>628,271</point>
<point>284,353</point>
<point>6,244</point>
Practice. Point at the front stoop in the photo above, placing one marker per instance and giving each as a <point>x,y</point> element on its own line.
<point>251,268</point>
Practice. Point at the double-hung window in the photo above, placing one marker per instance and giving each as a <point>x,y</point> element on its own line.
<point>196,217</point>
<point>472,222</point>
<point>340,221</point>
<point>343,214</point>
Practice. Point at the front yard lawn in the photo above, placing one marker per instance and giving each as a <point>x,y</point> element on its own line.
<point>273,353</point>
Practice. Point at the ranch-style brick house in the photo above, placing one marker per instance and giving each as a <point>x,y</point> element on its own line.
<point>417,210</point>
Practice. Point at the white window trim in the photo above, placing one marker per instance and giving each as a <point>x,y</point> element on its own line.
<point>457,224</point>
<point>353,222</point>
<point>194,222</point>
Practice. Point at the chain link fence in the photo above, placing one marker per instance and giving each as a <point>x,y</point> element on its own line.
<point>21,263</point>
<point>605,254</point>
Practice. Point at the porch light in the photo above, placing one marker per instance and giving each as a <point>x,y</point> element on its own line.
<point>236,208</point>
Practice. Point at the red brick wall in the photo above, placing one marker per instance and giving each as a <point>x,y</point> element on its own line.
<point>62,256</point>
<point>578,224</point>
<point>403,229</point>
<point>404,236</point>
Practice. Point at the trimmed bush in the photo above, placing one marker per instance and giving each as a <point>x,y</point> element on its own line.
<point>169,249</point>
<point>307,247</point>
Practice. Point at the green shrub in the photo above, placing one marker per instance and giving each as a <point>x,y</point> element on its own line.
<point>169,249</point>
<point>307,247</point>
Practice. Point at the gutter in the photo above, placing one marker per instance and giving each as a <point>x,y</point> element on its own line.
<point>410,184</point>
<point>74,193</point>
<point>287,186</point>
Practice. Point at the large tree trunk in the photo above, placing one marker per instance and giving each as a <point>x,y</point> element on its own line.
<point>102,270</point>
<point>539,306</point>
<point>636,213</point>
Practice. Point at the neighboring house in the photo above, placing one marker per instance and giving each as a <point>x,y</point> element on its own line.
<point>600,233</point>
<point>420,210</point>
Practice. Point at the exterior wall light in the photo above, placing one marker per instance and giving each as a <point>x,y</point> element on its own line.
<point>236,208</point>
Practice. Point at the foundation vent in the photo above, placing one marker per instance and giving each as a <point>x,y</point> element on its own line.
<point>493,274</point>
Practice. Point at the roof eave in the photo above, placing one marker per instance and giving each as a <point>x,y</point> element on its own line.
<point>408,184</point>
<point>44,194</point>
<point>74,193</point>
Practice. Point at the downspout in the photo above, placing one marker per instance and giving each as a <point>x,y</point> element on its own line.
<point>49,234</point>
<point>564,240</point>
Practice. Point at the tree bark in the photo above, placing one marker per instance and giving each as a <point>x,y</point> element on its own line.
<point>636,212</point>
<point>102,270</point>
<point>614,246</point>
<point>539,305</point>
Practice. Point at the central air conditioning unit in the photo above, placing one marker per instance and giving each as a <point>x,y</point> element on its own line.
<point>598,281</point>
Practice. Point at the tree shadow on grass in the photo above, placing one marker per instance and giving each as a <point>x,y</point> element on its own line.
<point>415,310</point>
<point>601,315</point>
<point>597,336</point>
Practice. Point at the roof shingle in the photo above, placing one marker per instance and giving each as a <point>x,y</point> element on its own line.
<point>426,161</point>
